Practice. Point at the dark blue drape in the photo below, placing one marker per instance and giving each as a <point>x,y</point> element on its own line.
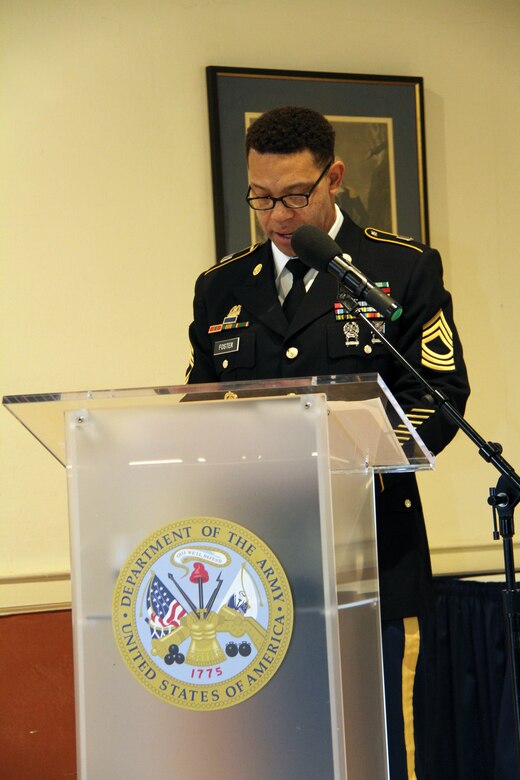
<point>470,715</point>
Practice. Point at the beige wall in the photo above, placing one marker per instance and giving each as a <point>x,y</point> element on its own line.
<point>106,215</point>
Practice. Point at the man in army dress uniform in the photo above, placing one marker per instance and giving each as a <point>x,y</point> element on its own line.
<point>294,178</point>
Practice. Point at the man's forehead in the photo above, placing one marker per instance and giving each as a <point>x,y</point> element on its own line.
<point>290,170</point>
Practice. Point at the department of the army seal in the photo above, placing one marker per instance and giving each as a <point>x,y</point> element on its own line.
<point>202,613</point>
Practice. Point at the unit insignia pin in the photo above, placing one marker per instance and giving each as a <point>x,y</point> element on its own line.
<point>351,332</point>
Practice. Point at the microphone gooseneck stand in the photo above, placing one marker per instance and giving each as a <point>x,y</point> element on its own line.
<point>503,498</point>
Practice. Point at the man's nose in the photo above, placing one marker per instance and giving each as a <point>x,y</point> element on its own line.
<point>281,209</point>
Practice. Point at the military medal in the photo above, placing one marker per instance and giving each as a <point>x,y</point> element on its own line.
<point>342,312</point>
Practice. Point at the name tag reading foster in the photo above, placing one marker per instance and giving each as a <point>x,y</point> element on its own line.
<point>229,345</point>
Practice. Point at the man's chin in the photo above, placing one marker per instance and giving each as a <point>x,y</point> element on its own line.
<point>283,242</point>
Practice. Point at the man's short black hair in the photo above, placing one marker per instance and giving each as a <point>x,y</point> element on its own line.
<point>292,129</point>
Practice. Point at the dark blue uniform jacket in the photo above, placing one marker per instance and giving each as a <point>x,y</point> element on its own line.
<point>317,343</point>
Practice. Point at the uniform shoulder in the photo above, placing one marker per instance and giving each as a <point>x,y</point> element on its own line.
<point>373,234</point>
<point>240,255</point>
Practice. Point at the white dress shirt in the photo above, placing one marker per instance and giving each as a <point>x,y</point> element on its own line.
<point>283,278</point>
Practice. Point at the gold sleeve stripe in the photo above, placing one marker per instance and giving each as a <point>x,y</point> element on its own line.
<point>231,258</point>
<point>402,433</point>
<point>420,414</point>
<point>190,366</point>
<point>417,417</point>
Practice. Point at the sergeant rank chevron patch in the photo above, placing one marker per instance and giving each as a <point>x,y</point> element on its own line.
<point>437,344</point>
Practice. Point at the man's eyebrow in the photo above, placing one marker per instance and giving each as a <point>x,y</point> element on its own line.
<point>301,187</point>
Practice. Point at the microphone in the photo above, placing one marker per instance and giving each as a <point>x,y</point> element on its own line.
<point>318,250</point>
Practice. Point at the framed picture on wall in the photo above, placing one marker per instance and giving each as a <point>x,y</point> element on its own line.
<point>379,124</point>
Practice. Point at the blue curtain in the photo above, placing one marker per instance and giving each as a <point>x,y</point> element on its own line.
<point>470,723</point>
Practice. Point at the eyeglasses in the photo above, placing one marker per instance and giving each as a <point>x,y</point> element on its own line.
<point>294,201</point>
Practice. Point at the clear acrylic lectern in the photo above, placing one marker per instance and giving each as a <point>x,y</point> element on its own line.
<point>288,682</point>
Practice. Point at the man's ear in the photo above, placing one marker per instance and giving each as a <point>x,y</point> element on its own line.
<point>336,172</point>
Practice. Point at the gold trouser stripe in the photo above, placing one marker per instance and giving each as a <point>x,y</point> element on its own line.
<point>411,654</point>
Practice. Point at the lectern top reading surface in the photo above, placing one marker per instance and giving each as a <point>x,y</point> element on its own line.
<point>367,427</point>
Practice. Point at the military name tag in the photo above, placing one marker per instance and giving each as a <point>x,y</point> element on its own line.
<point>229,345</point>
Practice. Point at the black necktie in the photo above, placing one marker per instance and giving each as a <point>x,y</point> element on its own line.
<point>295,295</point>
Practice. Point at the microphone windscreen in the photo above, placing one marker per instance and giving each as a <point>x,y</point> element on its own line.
<point>314,247</point>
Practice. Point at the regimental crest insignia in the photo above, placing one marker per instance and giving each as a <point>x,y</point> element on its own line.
<point>230,322</point>
<point>203,613</point>
<point>380,327</point>
<point>437,344</point>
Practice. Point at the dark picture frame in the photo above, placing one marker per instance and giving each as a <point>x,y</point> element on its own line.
<point>379,123</point>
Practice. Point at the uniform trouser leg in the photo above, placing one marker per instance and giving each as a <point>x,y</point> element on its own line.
<point>405,696</point>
